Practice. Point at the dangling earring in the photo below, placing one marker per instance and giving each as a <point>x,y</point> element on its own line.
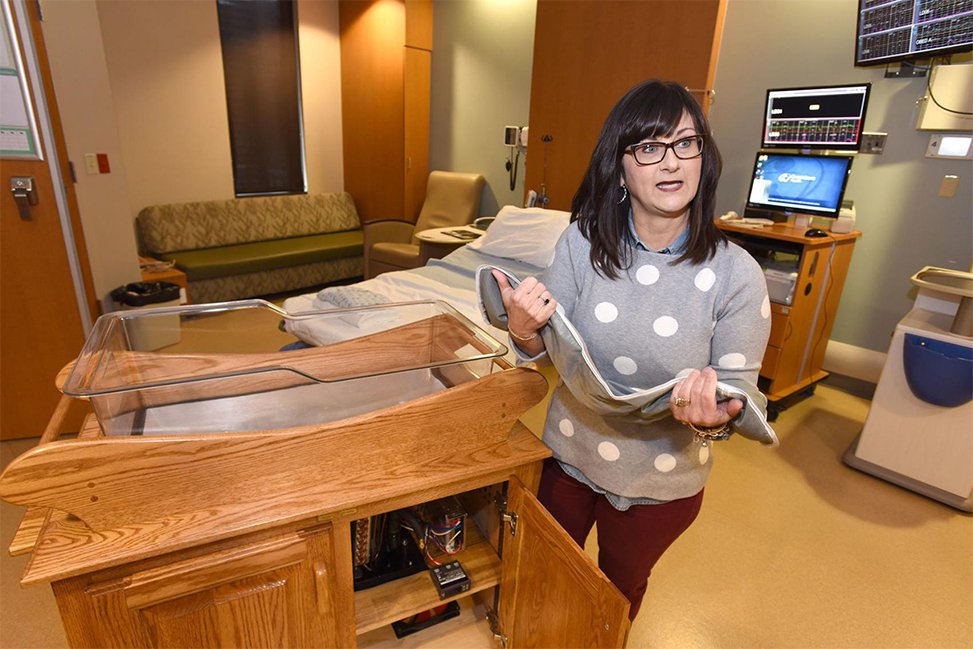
<point>624,195</point>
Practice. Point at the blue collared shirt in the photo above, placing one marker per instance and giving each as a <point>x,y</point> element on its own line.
<point>677,247</point>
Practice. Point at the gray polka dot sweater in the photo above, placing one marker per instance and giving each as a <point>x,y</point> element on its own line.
<point>657,321</point>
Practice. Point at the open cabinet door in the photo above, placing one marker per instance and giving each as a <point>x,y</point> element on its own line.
<point>551,593</point>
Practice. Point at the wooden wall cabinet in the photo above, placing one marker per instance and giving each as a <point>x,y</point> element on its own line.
<point>800,331</point>
<point>386,73</point>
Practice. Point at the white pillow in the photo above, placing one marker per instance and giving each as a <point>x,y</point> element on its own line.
<point>526,234</point>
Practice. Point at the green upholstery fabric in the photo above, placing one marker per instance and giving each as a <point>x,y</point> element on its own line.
<point>249,247</point>
<point>209,224</point>
<point>209,263</point>
<point>278,280</point>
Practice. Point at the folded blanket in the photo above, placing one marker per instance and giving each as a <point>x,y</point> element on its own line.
<point>351,295</point>
<point>569,354</point>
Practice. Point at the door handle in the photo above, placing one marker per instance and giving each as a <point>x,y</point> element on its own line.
<point>22,187</point>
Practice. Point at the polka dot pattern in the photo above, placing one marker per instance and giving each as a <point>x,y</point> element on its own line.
<point>647,275</point>
<point>732,361</point>
<point>625,365</point>
<point>664,463</point>
<point>566,427</point>
<point>606,312</point>
<point>609,451</point>
<point>765,308</point>
<point>705,279</point>
<point>665,326</point>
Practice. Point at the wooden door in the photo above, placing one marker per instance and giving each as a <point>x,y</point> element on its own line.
<point>280,592</point>
<point>587,53</point>
<point>41,324</point>
<point>551,593</point>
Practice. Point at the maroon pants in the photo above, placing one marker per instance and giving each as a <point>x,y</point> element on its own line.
<point>629,542</point>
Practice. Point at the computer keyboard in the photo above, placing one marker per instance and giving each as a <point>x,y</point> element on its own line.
<point>753,221</point>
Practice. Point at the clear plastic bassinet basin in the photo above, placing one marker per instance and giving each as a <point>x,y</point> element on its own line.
<point>233,366</point>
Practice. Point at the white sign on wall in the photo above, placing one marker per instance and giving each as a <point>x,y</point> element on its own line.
<point>18,134</point>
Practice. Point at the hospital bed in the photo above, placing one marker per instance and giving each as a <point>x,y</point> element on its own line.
<point>520,240</point>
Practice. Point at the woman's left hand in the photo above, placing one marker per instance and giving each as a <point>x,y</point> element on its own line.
<point>697,394</point>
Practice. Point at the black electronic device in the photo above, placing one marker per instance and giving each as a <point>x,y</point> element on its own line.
<point>383,551</point>
<point>822,117</point>
<point>450,579</point>
<point>785,183</point>
<point>899,30</point>
<point>814,232</point>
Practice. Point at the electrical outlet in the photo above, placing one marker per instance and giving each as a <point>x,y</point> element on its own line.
<point>873,142</point>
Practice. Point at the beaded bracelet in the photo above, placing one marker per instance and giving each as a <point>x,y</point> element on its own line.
<point>715,434</point>
<point>523,339</point>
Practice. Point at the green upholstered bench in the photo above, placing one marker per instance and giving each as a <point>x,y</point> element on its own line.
<point>248,247</point>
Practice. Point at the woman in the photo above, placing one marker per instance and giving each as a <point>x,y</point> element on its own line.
<point>656,291</point>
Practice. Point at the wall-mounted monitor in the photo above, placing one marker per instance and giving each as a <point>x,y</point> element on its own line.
<point>897,30</point>
<point>786,183</point>
<point>825,117</point>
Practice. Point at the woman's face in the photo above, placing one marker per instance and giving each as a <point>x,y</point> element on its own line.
<point>667,188</point>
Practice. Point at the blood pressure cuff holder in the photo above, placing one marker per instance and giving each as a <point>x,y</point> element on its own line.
<point>569,354</point>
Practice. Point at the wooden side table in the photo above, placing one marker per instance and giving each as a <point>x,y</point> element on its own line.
<point>172,275</point>
<point>436,243</point>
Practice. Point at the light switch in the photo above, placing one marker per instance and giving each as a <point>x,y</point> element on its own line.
<point>91,163</point>
<point>947,188</point>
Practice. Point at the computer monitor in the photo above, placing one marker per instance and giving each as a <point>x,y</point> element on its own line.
<point>899,30</point>
<point>824,117</point>
<point>785,184</point>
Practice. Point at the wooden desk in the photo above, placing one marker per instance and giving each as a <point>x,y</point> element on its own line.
<point>172,275</point>
<point>800,331</point>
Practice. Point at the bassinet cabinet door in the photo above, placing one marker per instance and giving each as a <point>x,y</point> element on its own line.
<point>551,593</point>
<point>279,592</point>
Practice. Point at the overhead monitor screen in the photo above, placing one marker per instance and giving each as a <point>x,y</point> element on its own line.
<point>896,30</point>
<point>808,184</point>
<point>828,117</point>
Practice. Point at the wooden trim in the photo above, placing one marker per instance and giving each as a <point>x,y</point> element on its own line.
<point>328,489</point>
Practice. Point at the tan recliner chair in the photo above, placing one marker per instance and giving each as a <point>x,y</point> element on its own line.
<point>452,199</point>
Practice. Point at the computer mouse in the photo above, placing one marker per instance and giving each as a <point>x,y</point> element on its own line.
<point>814,232</point>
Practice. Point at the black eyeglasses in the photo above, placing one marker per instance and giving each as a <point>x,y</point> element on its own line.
<point>652,153</point>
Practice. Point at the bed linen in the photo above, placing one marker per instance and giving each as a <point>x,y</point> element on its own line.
<point>450,279</point>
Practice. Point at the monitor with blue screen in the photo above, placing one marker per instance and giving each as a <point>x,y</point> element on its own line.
<point>785,184</point>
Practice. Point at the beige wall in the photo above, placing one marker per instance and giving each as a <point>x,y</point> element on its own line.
<point>73,38</point>
<point>321,94</point>
<point>481,69</point>
<point>166,73</point>
<point>143,82</point>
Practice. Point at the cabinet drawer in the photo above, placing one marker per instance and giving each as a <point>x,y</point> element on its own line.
<point>779,321</point>
<point>771,360</point>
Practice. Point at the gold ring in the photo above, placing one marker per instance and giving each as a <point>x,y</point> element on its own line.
<point>679,402</point>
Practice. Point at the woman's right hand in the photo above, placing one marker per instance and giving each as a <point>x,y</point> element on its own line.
<point>529,307</point>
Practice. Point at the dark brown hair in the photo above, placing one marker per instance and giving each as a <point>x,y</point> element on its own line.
<point>651,109</point>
